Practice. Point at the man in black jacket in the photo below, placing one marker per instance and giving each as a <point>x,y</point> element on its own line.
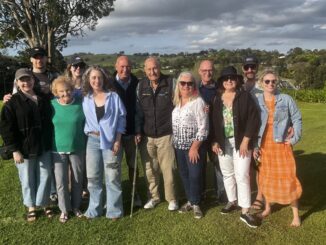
<point>155,94</point>
<point>125,84</point>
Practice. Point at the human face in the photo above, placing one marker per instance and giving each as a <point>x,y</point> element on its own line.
<point>64,93</point>
<point>206,70</point>
<point>186,86</point>
<point>77,70</point>
<point>269,83</point>
<point>25,84</point>
<point>229,83</point>
<point>123,68</point>
<point>249,71</point>
<point>39,62</point>
<point>96,80</point>
<point>152,70</point>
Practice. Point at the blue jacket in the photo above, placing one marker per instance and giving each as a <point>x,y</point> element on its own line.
<point>286,114</point>
<point>113,121</point>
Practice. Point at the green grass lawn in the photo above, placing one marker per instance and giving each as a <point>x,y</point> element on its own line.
<point>159,226</point>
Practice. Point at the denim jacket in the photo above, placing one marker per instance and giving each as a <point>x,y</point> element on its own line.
<point>286,114</point>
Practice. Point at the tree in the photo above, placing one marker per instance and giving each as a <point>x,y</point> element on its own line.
<point>48,23</point>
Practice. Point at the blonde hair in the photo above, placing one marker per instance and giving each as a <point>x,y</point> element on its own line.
<point>177,97</point>
<point>266,72</point>
<point>61,80</point>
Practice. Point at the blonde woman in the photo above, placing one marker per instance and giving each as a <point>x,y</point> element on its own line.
<point>190,129</point>
<point>277,171</point>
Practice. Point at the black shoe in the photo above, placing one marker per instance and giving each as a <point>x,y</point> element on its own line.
<point>230,206</point>
<point>250,220</point>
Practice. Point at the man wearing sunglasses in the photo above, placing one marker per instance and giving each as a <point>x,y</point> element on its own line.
<point>207,89</point>
<point>250,68</point>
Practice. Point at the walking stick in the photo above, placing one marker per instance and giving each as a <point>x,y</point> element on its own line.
<point>134,183</point>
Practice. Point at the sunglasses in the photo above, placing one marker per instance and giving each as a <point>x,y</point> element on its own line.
<point>270,81</point>
<point>189,84</point>
<point>81,66</point>
<point>252,67</point>
<point>227,78</point>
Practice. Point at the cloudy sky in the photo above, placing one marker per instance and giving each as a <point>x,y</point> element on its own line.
<point>170,26</point>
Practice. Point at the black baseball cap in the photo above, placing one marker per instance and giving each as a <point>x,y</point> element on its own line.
<point>250,60</point>
<point>76,60</point>
<point>38,51</point>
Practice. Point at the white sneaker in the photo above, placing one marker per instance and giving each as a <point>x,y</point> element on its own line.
<point>173,205</point>
<point>151,204</point>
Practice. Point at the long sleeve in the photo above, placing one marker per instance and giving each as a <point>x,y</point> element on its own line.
<point>202,120</point>
<point>8,128</point>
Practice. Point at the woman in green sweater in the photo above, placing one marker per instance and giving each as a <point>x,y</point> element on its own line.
<point>69,146</point>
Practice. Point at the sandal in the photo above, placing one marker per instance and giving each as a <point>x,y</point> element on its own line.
<point>63,218</point>
<point>77,213</point>
<point>48,212</point>
<point>258,205</point>
<point>31,216</point>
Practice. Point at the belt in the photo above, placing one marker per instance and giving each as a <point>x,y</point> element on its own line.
<point>97,133</point>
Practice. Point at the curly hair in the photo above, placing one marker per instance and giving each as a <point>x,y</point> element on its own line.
<point>61,80</point>
<point>87,88</point>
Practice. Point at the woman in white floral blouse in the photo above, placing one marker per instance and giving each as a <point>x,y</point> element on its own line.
<point>190,129</point>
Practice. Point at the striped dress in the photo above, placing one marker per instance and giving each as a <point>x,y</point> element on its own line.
<point>277,172</point>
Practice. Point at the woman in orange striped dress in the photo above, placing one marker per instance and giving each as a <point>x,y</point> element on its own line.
<point>277,171</point>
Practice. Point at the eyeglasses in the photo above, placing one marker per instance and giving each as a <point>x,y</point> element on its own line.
<point>81,66</point>
<point>231,78</point>
<point>270,81</point>
<point>252,67</point>
<point>189,84</point>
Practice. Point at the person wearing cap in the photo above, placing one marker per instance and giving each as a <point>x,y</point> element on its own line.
<point>75,70</point>
<point>26,126</point>
<point>207,89</point>
<point>250,68</point>
<point>234,123</point>
<point>125,84</point>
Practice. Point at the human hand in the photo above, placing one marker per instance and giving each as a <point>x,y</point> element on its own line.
<point>6,98</point>
<point>18,157</point>
<point>216,148</point>
<point>193,155</point>
<point>116,147</point>
<point>244,152</point>
<point>137,139</point>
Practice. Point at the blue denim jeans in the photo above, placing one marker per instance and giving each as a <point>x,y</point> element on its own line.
<point>67,201</point>
<point>98,163</point>
<point>191,175</point>
<point>35,179</point>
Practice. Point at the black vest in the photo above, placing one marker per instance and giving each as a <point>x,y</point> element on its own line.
<point>157,107</point>
<point>129,99</point>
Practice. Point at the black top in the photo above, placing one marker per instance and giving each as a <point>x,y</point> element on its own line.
<point>129,100</point>
<point>99,112</point>
<point>156,106</point>
<point>26,126</point>
<point>246,119</point>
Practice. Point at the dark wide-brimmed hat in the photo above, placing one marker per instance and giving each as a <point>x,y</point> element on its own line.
<point>229,71</point>
<point>38,51</point>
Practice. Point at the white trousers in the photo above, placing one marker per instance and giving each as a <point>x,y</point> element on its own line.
<point>235,170</point>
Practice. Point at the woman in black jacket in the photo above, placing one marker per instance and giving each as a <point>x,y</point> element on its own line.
<point>234,124</point>
<point>26,128</point>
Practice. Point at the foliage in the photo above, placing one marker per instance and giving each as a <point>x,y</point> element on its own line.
<point>48,22</point>
<point>308,95</point>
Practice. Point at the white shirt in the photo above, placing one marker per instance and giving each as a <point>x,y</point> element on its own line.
<point>189,123</point>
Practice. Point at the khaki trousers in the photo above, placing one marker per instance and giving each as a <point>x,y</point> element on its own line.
<point>158,156</point>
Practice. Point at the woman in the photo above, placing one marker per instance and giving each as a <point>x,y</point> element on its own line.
<point>105,122</point>
<point>75,71</point>
<point>27,128</point>
<point>69,146</point>
<point>277,171</point>
<point>234,125</point>
<point>190,129</point>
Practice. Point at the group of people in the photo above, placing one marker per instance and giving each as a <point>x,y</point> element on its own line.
<point>83,121</point>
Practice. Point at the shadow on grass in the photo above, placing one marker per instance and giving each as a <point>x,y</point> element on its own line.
<point>311,171</point>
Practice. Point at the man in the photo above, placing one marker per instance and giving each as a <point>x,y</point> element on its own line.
<point>125,84</point>
<point>155,94</point>
<point>250,69</point>
<point>207,90</point>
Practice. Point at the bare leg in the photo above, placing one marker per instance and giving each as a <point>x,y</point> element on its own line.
<point>296,222</point>
<point>258,203</point>
<point>266,211</point>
